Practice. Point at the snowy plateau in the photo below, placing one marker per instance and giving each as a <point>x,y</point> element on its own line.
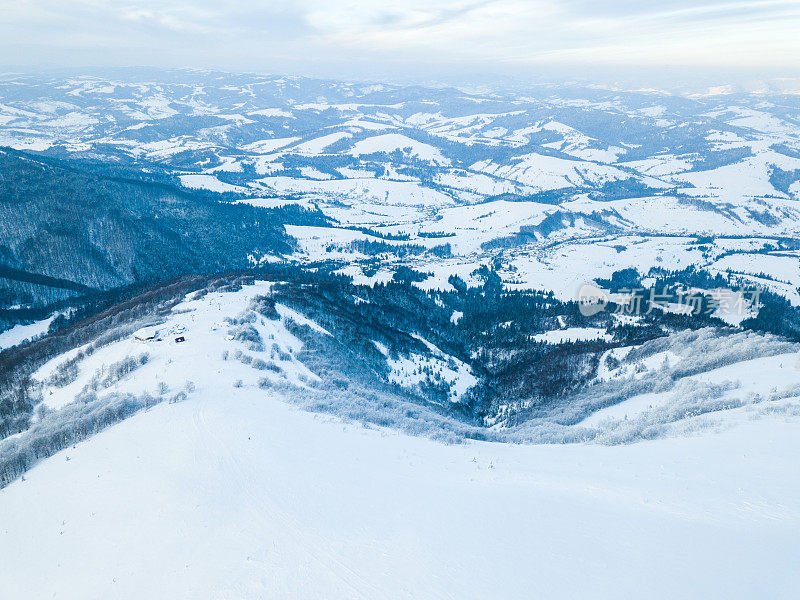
<point>365,372</point>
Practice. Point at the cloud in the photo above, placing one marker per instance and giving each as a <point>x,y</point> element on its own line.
<point>247,35</point>
<point>172,20</point>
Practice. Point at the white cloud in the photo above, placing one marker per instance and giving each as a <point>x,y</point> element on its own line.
<point>247,35</point>
<point>172,20</point>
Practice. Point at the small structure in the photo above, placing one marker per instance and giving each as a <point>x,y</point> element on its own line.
<point>146,334</point>
<point>180,339</point>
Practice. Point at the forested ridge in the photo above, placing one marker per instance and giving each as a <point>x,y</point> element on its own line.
<point>65,232</point>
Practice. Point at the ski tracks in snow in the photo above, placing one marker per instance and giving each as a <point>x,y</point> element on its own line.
<point>276,534</point>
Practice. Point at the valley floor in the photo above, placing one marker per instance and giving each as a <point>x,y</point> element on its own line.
<point>237,494</point>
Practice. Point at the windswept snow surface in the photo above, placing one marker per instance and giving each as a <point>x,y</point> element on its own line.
<point>235,494</point>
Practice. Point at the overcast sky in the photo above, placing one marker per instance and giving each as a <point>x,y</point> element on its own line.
<point>377,37</point>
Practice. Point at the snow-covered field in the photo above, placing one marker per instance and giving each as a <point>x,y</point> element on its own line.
<point>235,494</point>
<point>22,333</point>
<point>571,334</point>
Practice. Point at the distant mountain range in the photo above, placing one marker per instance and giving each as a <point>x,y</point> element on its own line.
<point>551,185</point>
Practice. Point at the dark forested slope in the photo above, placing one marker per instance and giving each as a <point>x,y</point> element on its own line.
<point>64,231</point>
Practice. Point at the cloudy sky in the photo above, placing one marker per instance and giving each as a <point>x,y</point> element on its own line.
<point>375,37</point>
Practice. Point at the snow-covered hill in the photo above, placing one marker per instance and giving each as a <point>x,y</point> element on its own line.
<point>233,493</point>
<point>223,486</point>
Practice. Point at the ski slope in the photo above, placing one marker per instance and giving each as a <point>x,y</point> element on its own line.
<point>236,494</point>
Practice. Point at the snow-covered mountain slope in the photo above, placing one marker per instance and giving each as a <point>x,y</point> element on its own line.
<point>393,355</point>
<point>547,137</point>
<point>286,439</point>
<point>232,493</point>
<point>68,232</point>
<point>242,337</point>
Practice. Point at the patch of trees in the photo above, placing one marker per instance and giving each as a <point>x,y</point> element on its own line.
<point>372,248</point>
<point>57,430</point>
